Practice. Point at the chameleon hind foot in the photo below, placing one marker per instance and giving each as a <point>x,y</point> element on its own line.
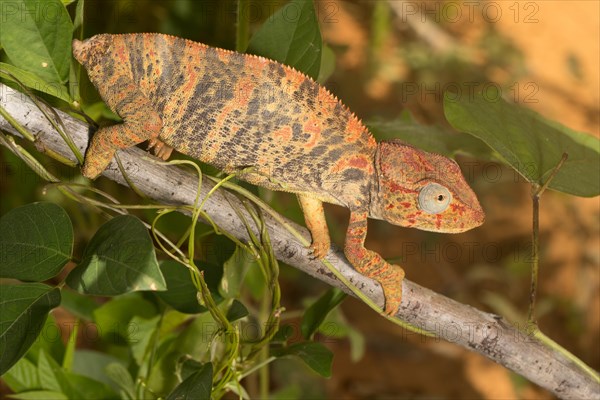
<point>159,148</point>
<point>314,215</point>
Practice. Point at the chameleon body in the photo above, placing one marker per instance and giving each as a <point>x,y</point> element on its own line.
<point>244,112</point>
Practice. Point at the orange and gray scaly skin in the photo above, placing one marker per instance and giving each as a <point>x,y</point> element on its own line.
<point>243,112</point>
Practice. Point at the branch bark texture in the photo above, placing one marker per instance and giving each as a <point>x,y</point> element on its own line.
<point>484,333</point>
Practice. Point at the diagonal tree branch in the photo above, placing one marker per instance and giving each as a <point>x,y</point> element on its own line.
<point>487,334</point>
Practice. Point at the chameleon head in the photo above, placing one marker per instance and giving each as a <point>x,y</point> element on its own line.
<point>423,190</point>
<point>90,51</point>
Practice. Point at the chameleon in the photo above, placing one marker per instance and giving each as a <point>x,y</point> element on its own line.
<point>279,129</point>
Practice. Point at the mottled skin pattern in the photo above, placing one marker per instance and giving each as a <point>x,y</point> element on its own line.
<point>238,111</point>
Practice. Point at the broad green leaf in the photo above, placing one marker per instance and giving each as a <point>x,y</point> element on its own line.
<point>181,294</point>
<point>291,36</point>
<point>74,386</point>
<point>318,357</point>
<point>114,318</point>
<point>430,138</point>
<point>188,367</point>
<point>78,304</point>
<point>49,340</point>
<point>82,387</point>
<point>22,377</point>
<point>36,241</point>
<point>234,272</point>
<point>327,64</point>
<point>23,312</point>
<point>31,80</point>
<point>196,386</point>
<point>39,395</point>
<point>194,341</point>
<point>318,311</point>
<point>94,364</point>
<point>236,311</point>
<point>528,142</point>
<point>119,259</point>
<point>50,373</point>
<point>36,36</point>
<point>141,338</point>
<point>121,377</point>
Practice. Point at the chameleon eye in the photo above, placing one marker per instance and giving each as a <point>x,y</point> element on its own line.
<point>434,198</point>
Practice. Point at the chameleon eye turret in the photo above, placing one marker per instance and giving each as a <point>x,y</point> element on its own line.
<point>434,198</point>
<point>243,112</point>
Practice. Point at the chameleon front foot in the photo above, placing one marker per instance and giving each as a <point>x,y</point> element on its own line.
<point>160,149</point>
<point>390,279</point>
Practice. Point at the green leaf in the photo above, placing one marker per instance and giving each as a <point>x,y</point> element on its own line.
<point>23,312</point>
<point>79,305</point>
<point>318,357</point>
<point>196,386</point>
<point>114,318</point>
<point>74,386</point>
<point>50,373</point>
<point>122,378</point>
<point>22,377</point>
<point>194,341</point>
<point>236,311</point>
<point>140,339</point>
<point>430,138</point>
<point>181,294</point>
<point>291,36</point>
<point>234,272</point>
<point>36,241</point>
<point>528,142</point>
<point>119,259</point>
<point>49,340</point>
<point>32,81</point>
<point>327,66</point>
<point>39,395</point>
<point>318,311</point>
<point>36,37</point>
<point>94,364</point>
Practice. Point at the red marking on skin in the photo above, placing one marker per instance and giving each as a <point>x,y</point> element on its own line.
<point>438,222</point>
<point>389,206</point>
<point>191,79</point>
<point>283,134</point>
<point>458,208</point>
<point>411,221</point>
<point>358,161</point>
<point>405,204</point>
<point>394,187</point>
<point>121,53</point>
<point>313,127</point>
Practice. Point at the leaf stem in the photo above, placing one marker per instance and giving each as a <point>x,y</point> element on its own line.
<point>535,246</point>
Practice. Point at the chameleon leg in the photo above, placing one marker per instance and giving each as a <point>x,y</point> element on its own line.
<point>140,123</point>
<point>314,215</point>
<point>371,264</point>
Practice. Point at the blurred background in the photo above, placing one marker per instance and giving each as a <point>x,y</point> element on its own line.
<point>393,57</point>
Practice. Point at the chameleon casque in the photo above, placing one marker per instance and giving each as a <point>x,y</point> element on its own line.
<point>236,111</point>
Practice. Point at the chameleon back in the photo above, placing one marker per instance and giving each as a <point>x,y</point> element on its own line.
<point>236,111</point>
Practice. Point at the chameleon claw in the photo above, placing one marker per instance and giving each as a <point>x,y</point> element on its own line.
<point>159,148</point>
<point>318,250</point>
